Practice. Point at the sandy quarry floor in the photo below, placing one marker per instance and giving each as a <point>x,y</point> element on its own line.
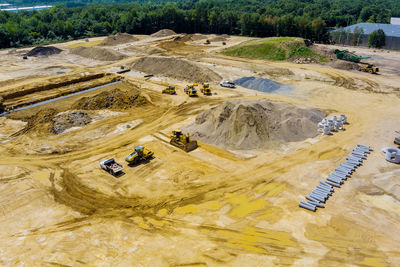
<point>210,206</point>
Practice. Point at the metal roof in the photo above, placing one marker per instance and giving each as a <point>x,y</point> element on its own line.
<point>389,29</point>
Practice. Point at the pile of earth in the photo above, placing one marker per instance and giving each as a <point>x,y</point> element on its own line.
<point>40,122</point>
<point>344,65</point>
<point>115,99</point>
<point>68,119</point>
<point>251,124</point>
<point>328,53</point>
<point>261,84</point>
<point>219,38</point>
<point>176,68</point>
<point>163,33</point>
<point>97,53</point>
<point>119,38</point>
<point>44,51</point>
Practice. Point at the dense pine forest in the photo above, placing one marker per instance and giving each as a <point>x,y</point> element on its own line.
<point>69,20</point>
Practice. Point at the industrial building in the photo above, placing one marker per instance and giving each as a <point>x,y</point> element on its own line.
<point>349,36</point>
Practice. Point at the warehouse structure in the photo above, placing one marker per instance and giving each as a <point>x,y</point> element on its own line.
<point>357,34</point>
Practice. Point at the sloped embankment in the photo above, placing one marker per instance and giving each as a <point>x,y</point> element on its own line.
<point>176,68</point>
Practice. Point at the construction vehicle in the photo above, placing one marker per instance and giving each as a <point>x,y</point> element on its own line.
<point>190,91</point>
<point>369,68</point>
<point>111,166</point>
<point>195,84</point>
<point>140,154</point>
<point>207,42</point>
<point>182,141</point>
<point>206,89</point>
<point>169,90</point>
<point>348,56</point>
<point>2,107</point>
<point>397,139</point>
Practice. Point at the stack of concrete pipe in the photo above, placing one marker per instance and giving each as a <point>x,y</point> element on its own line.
<point>318,197</point>
<point>333,125</point>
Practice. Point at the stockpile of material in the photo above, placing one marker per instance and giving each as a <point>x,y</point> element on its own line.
<point>319,196</point>
<point>335,124</point>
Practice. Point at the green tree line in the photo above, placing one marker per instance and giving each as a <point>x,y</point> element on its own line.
<point>309,19</point>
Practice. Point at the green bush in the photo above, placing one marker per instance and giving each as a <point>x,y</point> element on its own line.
<point>377,39</point>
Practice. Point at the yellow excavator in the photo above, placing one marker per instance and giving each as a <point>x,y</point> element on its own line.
<point>206,90</point>
<point>169,90</point>
<point>190,91</point>
<point>182,141</point>
<point>140,154</point>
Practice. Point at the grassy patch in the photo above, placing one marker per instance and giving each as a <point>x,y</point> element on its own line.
<point>277,49</point>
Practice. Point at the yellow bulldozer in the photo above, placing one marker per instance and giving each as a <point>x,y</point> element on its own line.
<point>369,68</point>
<point>206,90</point>
<point>190,91</point>
<point>140,154</point>
<point>169,90</point>
<point>182,141</point>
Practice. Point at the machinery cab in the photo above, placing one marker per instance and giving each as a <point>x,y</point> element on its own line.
<point>169,90</point>
<point>190,91</point>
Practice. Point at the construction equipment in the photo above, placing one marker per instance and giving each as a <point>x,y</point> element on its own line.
<point>397,139</point>
<point>369,68</point>
<point>169,90</point>
<point>206,89</point>
<point>140,154</point>
<point>111,166</point>
<point>182,141</point>
<point>2,107</point>
<point>190,91</point>
<point>348,56</point>
<point>207,42</point>
<point>195,84</point>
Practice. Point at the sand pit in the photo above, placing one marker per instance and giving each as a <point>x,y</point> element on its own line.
<point>262,84</point>
<point>44,51</point>
<point>97,53</point>
<point>251,124</point>
<point>66,120</point>
<point>163,33</point>
<point>115,99</point>
<point>176,68</point>
<point>119,38</point>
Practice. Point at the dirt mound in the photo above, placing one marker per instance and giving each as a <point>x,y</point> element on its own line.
<point>323,51</point>
<point>261,84</point>
<point>97,53</point>
<point>163,33</point>
<point>44,51</point>
<point>40,122</point>
<point>119,38</point>
<point>344,65</point>
<point>115,99</point>
<point>154,50</point>
<point>250,124</point>
<point>198,36</point>
<point>176,68</point>
<point>65,120</point>
<point>219,38</point>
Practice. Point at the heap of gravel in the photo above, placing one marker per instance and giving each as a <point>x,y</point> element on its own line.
<point>65,120</point>
<point>261,84</point>
<point>44,51</point>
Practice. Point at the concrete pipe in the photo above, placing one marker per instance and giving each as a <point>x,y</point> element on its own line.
<point>325,183</point>
<point>348,165</point>
<point>366,147</point>
<point>312,198</point>
<point>344,171</point>
<point>354,158</point>
<point>319,205</point>
<point>307,206</point>
<point>357,163</point>
<point>365,151</point>
<point>331,179</point>
<point>320,194</point>
<point>326,187</point>
<point>333,184</point>
<point>318,197</point>
<point>338,175</point>
<point>329,193</point>
<point>359,155</point>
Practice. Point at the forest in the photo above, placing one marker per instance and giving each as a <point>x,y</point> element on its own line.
<point>68,20</point>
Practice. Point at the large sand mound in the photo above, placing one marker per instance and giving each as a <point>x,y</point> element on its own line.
<point>114,99</point>
<point>163,33</point>
<point>250,124</point>
<point>119,38</point>
<point>261,84</point>
<point>176,68</point>
<point>97,53</point>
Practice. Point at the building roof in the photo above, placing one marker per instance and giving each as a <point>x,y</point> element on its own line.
<point>395,21</point>
<point>389,29</point>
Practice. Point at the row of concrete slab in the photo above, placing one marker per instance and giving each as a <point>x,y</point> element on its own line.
<point>318,197</point>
